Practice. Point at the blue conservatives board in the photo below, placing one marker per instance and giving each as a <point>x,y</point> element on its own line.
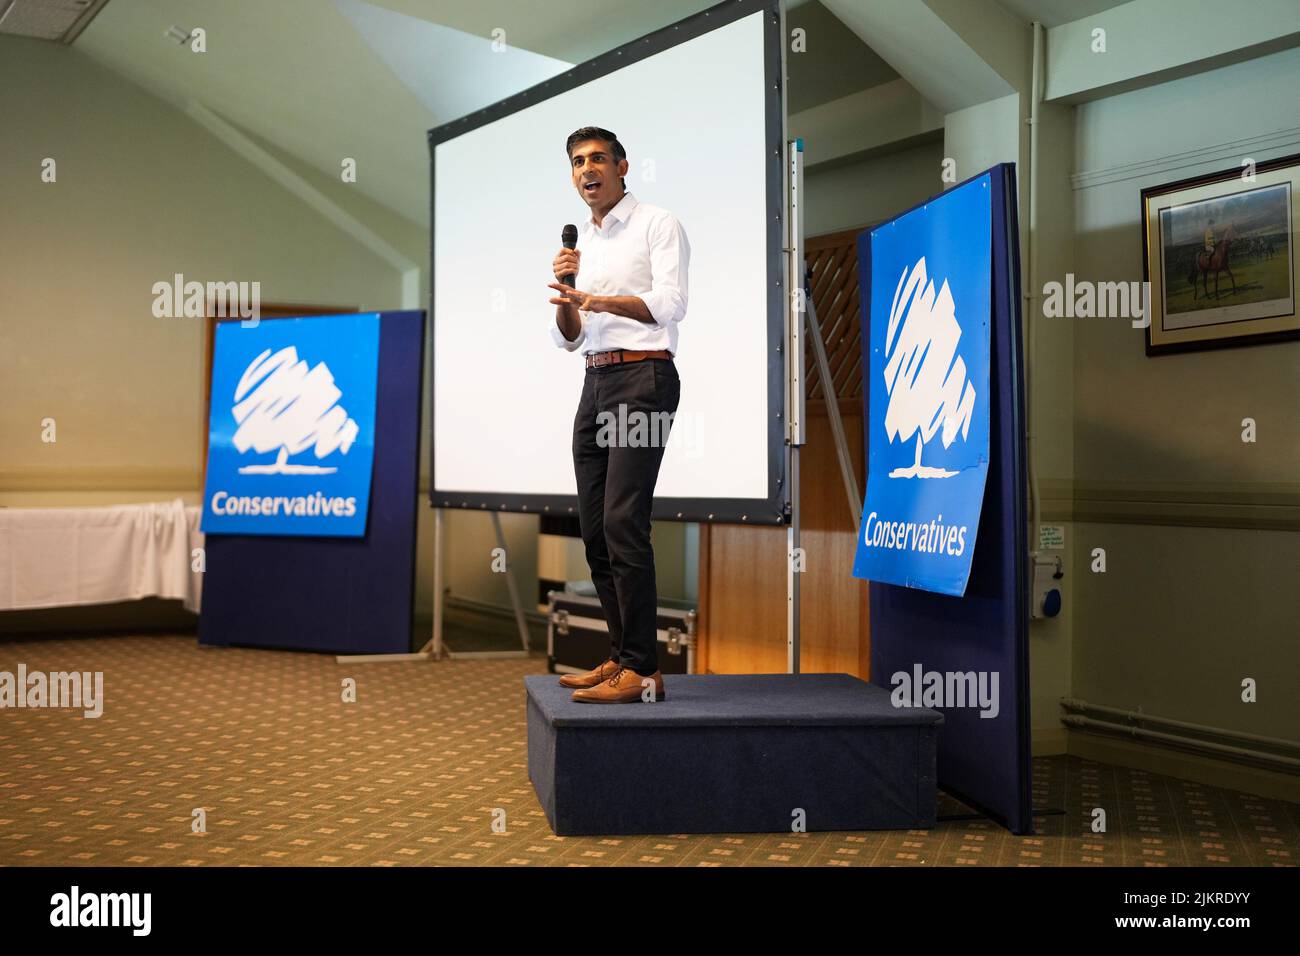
<point>928,397</point>
<point>977,638</point>
<point>336,594</point>
<point>291,437</point>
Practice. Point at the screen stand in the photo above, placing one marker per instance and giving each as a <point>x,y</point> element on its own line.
<point>833,414</point>
<point>434,649</point>
<point>801,304</point>
<point>794,392</point>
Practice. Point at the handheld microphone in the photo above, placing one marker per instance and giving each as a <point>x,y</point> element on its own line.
<point>569,236</point>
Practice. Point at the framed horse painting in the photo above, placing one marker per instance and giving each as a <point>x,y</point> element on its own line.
<point>1221,256</point>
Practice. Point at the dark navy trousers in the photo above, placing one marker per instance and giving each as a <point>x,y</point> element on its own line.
<point>619,433</point>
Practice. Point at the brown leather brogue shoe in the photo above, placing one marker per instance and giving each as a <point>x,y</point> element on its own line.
<point>625,687</point>
<point>604,671</point>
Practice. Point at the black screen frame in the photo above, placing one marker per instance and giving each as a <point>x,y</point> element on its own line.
<point>774,508</point>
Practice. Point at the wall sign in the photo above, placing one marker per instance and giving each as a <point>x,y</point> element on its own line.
<point>291,433</point>
<point>928,400</point>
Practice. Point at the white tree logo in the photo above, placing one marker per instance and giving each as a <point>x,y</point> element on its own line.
<point>281,403</point>
<point>923,373</point>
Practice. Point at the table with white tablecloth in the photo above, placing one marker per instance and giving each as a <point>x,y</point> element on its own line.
<point>56,557</point>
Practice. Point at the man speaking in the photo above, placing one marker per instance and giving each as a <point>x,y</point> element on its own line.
<point>621,306</point>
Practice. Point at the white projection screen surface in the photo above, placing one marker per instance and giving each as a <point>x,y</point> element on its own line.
<point>698,108</point>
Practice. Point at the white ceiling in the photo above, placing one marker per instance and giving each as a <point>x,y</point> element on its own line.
<point>1052,13</point>
<point>327,79</point>
<point>365,79</point>
<point>449,71</point>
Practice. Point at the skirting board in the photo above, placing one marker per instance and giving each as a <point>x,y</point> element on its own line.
<point>1186,766</point>
<point>1048,741</point>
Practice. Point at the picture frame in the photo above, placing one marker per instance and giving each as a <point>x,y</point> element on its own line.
<point>1221,256</point>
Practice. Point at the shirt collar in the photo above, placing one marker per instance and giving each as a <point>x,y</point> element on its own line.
<point>620,212</point>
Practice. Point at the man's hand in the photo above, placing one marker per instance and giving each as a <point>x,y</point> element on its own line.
<point>566,263</point>
<point>582,301</point>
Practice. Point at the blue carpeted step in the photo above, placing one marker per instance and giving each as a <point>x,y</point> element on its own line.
<point>733,753</point>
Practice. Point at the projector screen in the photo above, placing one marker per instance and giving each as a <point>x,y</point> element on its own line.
<point>698,108</point>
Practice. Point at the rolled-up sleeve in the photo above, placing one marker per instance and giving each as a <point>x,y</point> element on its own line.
<point>558,337</point>
<point>670,260</point>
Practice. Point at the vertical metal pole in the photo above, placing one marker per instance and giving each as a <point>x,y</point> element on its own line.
<point>792,576</point>
<point>437,584</point>
<point>795,394</point>
<point>510,583</point>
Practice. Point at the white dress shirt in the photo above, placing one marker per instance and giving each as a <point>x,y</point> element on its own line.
<point>639,250</point>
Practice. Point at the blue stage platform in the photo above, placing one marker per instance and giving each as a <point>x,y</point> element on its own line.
<point>732,754</point>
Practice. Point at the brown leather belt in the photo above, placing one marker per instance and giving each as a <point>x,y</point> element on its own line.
<point>617,356</point>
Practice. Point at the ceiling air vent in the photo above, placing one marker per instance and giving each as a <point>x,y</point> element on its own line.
<point>59,21</point>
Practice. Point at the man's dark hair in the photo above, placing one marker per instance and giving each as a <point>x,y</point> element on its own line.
<point>595,132</point>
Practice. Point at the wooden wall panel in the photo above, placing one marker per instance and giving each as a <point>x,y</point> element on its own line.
<point>833,627</point>
<point>743,569</point>
<point>742,575</point>
<point>742,600</point>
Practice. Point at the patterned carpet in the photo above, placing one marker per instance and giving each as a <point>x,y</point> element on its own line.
<point>415,771</point>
